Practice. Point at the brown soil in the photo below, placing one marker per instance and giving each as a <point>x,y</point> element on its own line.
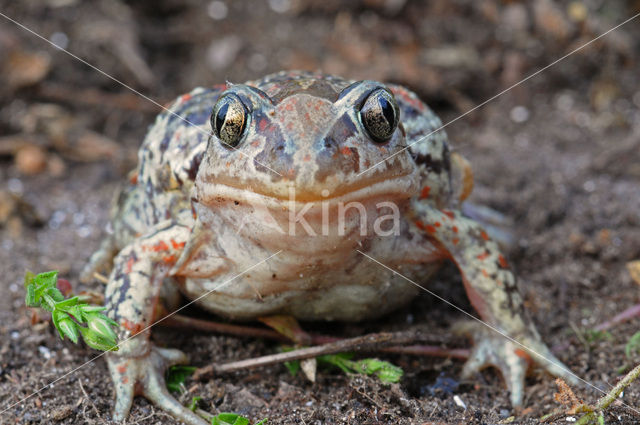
<point>558,154</point>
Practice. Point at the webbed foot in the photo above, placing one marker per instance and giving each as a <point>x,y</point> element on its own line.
<point>144,375</point>
<point>510,358</point>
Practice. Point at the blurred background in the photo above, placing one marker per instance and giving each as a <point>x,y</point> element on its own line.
<point>558,154</point>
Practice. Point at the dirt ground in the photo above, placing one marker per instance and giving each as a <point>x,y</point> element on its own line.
<point>558,154</point>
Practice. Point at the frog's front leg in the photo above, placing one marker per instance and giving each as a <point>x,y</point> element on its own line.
<point>491,288</point>
<point>132,294</point>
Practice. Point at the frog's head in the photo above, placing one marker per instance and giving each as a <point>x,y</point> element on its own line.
<point>311,137</point>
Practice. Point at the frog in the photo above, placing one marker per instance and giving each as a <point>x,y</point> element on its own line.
<point>301,194</point>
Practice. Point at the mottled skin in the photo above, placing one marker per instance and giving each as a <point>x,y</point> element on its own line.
<point>197,214</point>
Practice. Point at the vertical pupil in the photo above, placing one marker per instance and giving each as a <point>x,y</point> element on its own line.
<point>387,110</point>
<point>220,117</point>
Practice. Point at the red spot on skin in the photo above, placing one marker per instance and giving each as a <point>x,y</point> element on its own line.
<point>420,225</point>
<point>170,259</point>
<point>484,235</point>
<point>262,124</point>
<point>185,97</point>
<point>125,380</point>
<point>455,241</point>
<point>484,273</point>
<point>132,327</point>
<point>430,229</point>
<point>290,127</point>
<point>449,214</point>
<point>503,262</point>
<point>255,143</point>
<point>228,164</point>
<point>437,224</point>
<point>307,158</point>
<point>522,354</point>
<point>160,246</point>
<point>133,179</point>
<point>345,151</point>
<point>455,229</point>
<point>177,245</point>
<point>307,117</point>
<point>289,107</point>
<point>425,192</point>
<point>130,262</point>
<point>483,256</point>
<point>122,368</point>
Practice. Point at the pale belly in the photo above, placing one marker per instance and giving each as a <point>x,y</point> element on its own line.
<point>363,292</point>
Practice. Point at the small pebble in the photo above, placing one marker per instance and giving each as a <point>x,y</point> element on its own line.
<point>62,412</point>
<point>519,114</point>
<point>31,160</point>
<point>459,402</point>
<point>217,10</point>
<point>45,352</point>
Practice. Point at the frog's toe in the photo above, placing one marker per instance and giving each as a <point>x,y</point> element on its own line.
<point>503,355</point>
<point>144,375</point>
<point>511,358</point>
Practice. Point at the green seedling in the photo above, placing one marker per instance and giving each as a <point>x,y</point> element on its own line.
<point>233,419</point>
<point>194,403</point>
<point>176,375</point>
<point>633,346</point>
<point>385,371</point>
<point>72,316</point>
<point>593,335</point>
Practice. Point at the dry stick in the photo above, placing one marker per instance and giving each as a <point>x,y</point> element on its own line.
<point>629,313</point>
<point>182,322</point>
<point>352,344</point>
<point>610,397</point>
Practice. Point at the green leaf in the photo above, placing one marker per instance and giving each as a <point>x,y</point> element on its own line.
<point>93,309</point>
<point>194,403</point>
<point>632,346</point>
<point>55,294</point>
<point>67,303</point>
<point>293,367</point>
<point>385,371</point>
<point>30,298</point>
<point>41,291</point>
<point>65,325</point>
<point>28,277</point>
<point>97,341</point>
<point>229,419</point>
<point>262,422</point>
<point>176,375</point>
<point>98,323</point>
<point>47,279</point>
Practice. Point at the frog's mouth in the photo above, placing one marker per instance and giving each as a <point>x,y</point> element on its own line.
<point>403,186</point>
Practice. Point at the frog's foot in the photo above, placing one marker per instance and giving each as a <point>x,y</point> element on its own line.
<point>512,359</point>
<point>144,375</point>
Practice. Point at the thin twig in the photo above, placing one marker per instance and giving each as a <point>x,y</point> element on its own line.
<point>95,409</point>
<point>631,312</point>
<point>178,321</point>
<point>101,278</point>
<point>610,397</point>
<point>361,343</point>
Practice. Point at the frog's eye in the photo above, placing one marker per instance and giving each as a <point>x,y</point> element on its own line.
<point>229,119</point>
<point>379,115</point>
